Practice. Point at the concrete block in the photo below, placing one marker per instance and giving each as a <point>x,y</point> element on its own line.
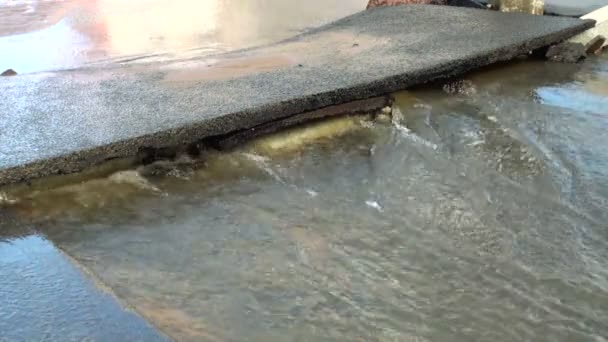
<point>600,29</point>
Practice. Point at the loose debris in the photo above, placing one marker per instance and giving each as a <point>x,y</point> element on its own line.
<point>567,52</point>
<point>592,37</point>
<point>595,45</point>
<point>9,72</point>
<point>460,87</point>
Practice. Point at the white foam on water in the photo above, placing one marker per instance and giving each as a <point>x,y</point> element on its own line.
<point>312,193</point>
<point>262,163</point>
<point>5,199</point>
<point>398,119</point>
<point>407,133</point>
<point>132,177</point>
<point>476,143</point>
<point>374,205</point>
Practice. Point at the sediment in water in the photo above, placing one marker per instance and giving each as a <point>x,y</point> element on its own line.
<point>133,175</point>
<point>375,52</point>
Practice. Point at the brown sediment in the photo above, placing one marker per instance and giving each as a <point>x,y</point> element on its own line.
<point>84,198</point>
<point>312,245</point>
<point>231,68</point>
<point>357,107</point>
<point>100,170</point>
<point>177,323</point>
<point>119,180</point>
<point>598,87</point>
<point>340,43</point>
<point>287,54</point>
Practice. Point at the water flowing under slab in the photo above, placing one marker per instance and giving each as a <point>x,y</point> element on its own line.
<point>64,122</point>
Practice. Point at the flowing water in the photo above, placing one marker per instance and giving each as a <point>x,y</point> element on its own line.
<point>478,214</point>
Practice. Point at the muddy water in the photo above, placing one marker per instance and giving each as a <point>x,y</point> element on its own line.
<point>74,33</point>
<point>478,215</point>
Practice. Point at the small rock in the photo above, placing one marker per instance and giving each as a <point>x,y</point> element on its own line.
<point>385,115</point>
<point>180,168</point>
<point>148,155</point>
<point>383,118</point>
<point>9,72</point>
<point>460,87</point>
<point>567,52</point>
<point>595,45</point>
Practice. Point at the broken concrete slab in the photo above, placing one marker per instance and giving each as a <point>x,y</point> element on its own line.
<point>600,29</point>
<point>64,122</point>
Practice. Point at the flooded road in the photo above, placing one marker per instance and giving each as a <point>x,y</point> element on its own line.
<point>76,33</point>
<point>479,214</point>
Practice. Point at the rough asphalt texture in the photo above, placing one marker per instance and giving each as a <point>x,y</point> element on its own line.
<point>67,121</point>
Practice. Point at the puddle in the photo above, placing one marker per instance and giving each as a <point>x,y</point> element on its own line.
<point>44,297</point>
<point>230,69</point>
<point>75,33</point>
